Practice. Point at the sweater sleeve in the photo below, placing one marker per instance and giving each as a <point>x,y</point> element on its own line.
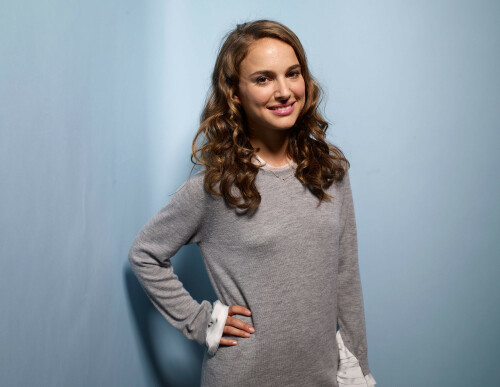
<point>176,224</point>
<point>351,316</point>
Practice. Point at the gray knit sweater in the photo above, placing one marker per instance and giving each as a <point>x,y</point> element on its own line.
<point>293,263</point>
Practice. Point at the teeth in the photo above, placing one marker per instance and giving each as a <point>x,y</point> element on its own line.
<point>281,108</point>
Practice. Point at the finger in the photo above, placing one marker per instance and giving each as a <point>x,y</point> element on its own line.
<point>235,332</point>
<point>227,342</point>
<point>237,323</point>
<point>239,309</point>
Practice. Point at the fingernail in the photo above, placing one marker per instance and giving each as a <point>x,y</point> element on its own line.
<point>249,312</point>
<point>235,342</point>
<point>251,329</point>
<point>247,334</point>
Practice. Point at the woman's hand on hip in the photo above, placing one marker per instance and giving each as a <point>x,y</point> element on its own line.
<point>235,326</point>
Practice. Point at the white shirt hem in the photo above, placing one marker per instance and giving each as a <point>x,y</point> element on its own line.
<point>349,373</point>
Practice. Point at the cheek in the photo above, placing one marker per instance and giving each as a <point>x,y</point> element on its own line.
<point>300,89</point>
<point>260,96</point>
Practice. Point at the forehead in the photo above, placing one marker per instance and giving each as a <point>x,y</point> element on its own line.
<point>268,54</point>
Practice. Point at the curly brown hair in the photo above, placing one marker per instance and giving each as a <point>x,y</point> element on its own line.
<point>222,143</point>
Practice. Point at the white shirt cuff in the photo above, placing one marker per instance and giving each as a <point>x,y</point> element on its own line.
<point>349,372</point>
<point>216,326</point>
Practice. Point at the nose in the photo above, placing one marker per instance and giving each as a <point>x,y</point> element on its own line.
<point>282,92</point>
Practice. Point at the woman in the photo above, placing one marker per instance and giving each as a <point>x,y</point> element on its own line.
<point>272,214</point>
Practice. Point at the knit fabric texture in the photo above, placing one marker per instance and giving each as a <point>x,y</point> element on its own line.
<point>293,263</point>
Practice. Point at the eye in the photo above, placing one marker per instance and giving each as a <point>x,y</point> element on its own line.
<point>294,74</point>
<point>261,80</point>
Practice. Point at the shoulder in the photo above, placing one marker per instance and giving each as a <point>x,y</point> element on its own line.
<point>195,180</point>
<point>194,185</point>
<point>345,183</point>
<point>192,190</point>
<point>340,187</point>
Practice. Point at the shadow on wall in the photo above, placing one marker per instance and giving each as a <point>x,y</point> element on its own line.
<point>172,359</point>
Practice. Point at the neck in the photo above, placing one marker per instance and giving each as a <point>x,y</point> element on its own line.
<point>273,146</point>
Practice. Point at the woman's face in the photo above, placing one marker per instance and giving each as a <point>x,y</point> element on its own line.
<point>271,88</point>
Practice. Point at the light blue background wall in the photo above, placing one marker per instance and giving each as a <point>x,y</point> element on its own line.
<point>99,101</point>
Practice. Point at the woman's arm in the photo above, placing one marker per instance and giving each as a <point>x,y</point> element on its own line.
<point>351,316</point>
<point>176,224</point>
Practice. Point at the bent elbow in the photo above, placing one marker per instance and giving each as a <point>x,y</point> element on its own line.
<point>134,256</point>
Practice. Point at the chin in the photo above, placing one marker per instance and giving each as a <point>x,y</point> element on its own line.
<point>286,125</point>
<point>281,124</point>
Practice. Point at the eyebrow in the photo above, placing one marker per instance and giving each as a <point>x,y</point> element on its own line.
<point>267,72</point>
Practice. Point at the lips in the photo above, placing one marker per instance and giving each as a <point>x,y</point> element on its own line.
<point>282,109</point>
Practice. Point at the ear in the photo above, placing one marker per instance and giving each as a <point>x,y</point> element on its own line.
<point>236,98</point>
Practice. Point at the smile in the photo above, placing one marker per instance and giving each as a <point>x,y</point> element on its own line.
<point>282,110</point>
